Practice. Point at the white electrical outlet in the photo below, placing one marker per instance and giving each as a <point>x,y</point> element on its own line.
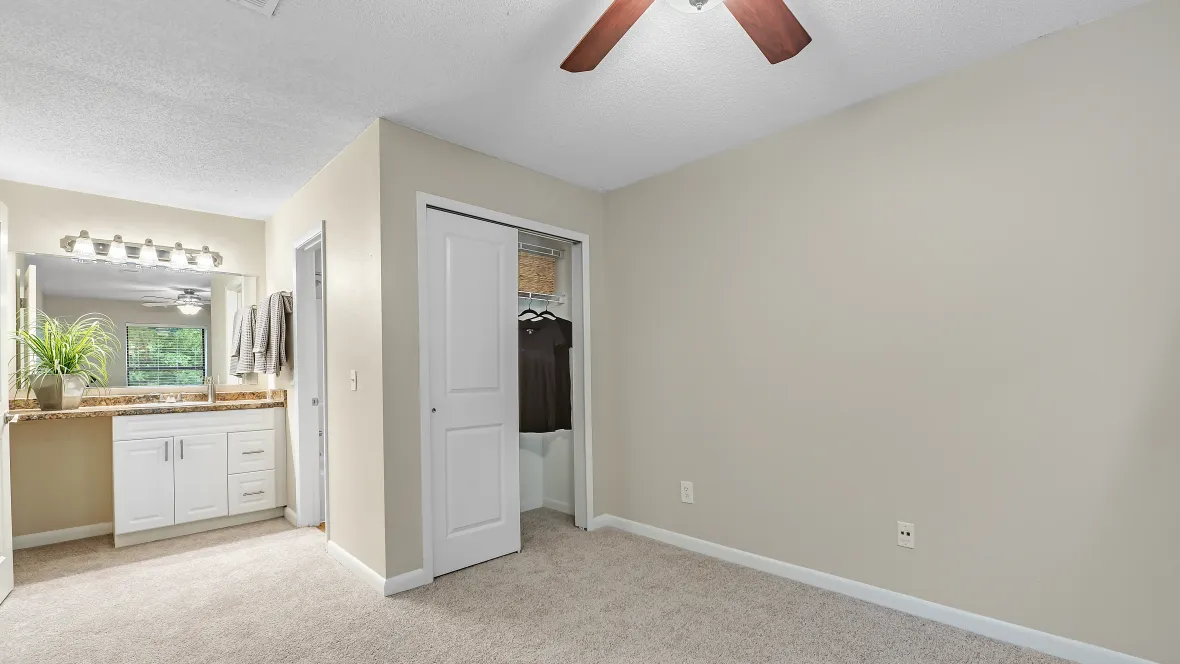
<point>905,534</point>
<point>686,492</point>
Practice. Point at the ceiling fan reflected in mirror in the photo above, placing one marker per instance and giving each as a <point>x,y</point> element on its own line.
<point>188,302</point>
<point>772,26</point>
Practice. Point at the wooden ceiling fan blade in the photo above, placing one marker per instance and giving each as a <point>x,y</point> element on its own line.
<point>772,26</point>
<point>607,31</point>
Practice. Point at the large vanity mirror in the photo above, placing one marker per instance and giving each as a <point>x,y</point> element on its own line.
<point>174,327</point>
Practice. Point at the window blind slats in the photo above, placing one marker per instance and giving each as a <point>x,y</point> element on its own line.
<point>162,355</point>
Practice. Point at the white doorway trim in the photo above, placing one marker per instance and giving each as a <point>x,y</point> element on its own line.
<point>310,342</point>
<point>8,308</point>
<point>581,390</point>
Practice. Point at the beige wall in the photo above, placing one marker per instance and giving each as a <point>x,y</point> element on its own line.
<point>413,162</point>
<point>41,216</point>
<point>958,305</point>
<point>122,313</point>
<point>61,474</point>
<point>346,196</point>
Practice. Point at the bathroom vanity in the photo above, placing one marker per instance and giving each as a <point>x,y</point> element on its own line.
<point>190,466</point>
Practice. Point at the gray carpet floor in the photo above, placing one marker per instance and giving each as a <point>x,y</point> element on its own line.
<point>269,593</point>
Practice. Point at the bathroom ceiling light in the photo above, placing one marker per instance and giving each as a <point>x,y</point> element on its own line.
<point>84,248</point>
<point>205,259</point>
<point>117,252</point>
<point>179,259</point>
<point>147,254</point>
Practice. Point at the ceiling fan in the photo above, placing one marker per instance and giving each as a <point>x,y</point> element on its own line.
<point>189,303</point>
<point>771,25</point>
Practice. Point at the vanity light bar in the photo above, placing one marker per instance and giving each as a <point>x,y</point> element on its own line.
<point>86,248</point>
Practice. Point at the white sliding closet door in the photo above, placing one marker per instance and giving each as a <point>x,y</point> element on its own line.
<point>474,394</point>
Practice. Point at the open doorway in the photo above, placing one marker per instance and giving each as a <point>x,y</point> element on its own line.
<point>310,402</point>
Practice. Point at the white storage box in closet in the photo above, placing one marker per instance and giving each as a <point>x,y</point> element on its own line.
<point>176,468</point>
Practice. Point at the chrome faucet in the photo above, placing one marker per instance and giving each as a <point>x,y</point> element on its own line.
<point>211,384</point>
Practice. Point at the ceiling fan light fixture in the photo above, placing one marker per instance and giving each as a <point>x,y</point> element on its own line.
<point>695,6</point>
<point>189,309</point>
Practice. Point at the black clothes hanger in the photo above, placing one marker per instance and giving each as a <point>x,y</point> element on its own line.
<point>530,311</point>
<point>546,314</point>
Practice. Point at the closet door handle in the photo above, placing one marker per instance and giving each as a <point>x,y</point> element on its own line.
<point>182,449</point>
<point>165,451</point>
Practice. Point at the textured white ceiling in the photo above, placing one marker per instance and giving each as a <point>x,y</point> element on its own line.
<point>206,105</point>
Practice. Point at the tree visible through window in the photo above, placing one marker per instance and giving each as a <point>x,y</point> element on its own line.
<point>160,355</point>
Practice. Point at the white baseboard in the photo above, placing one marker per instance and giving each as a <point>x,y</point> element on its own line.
<point>397,584</point>
<point>194,527</point>
<point>1050,644</point>
<point>407,581</point>
<point>291,517</point>
<point>564,508</point>
<point>64,535</point>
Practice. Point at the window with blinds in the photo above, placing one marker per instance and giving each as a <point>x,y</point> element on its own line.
<point>163,355</point>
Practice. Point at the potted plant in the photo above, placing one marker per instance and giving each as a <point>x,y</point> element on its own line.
<point>66,358</point>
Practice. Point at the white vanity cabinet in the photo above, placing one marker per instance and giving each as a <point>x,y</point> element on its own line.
<point>143,484</point>
<point>200,473</point>
<point>181,468</point>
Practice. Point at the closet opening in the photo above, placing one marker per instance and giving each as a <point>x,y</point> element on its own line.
<point>504,382</point>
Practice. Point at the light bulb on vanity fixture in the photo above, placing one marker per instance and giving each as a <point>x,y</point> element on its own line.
<point>205,260</point>
<point>84,248</point>
<point>147,254</point>
<point>117,252</point>
<point>179,260</point>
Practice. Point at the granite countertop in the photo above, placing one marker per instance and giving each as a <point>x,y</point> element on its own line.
<point>25,410</point>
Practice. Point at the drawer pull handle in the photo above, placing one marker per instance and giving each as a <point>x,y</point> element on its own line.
<point>253,493</point>
<point>253,452</point>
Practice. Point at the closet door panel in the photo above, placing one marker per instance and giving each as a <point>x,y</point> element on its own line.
<point>474,392</point>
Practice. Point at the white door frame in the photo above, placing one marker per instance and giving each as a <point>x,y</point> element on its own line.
<point>581,388</point>
<point>7,325</point>
<point>306,415</point>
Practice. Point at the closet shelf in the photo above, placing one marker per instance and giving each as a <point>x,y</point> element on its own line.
<point>551,298</point>
<point>539,250</point>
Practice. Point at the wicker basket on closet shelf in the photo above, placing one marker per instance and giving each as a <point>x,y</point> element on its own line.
<point>537,274</point>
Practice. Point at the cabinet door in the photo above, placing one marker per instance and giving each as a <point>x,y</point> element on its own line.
<point>201,477</point>
<point>143,484</point>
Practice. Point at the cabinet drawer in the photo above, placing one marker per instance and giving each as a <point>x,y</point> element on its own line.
<point>250,492</point>
<point>250,451</point>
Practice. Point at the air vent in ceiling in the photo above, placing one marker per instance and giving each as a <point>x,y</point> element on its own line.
<point>262,6</point>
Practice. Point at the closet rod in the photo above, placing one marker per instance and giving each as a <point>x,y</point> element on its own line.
<point>551,298</point>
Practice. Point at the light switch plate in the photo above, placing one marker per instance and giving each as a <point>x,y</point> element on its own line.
<point>352,380</point>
